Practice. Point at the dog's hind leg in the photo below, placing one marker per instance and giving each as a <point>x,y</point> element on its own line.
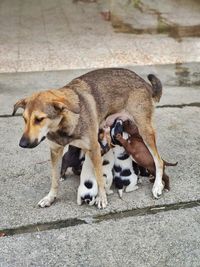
<point>56,155</point>
<point>148,135</point>
<point>142,115</point>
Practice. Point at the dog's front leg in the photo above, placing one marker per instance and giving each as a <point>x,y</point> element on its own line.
<point>56,155</point>
<point>95,156</point>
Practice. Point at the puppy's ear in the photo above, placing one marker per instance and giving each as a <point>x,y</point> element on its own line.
<point>66,106</point>
<point>19,104</point>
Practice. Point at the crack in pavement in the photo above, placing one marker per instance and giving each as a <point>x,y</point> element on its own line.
<point>193,104</point>
<point>59,224</point>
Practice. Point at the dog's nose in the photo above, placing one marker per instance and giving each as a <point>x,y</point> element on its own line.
<point>24,142</point>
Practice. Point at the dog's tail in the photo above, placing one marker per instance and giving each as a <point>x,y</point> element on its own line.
<point>156,87</point>
<point>169,163</point>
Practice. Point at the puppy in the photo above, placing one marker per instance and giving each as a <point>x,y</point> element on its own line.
<point>73,158</point>
<point>124,176</point>
<point>87,191</point>
<point>108,157</point>
<point>139,152</point>
<point>73,114</point>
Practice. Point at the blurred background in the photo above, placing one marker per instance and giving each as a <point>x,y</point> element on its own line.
<point>82,34</point>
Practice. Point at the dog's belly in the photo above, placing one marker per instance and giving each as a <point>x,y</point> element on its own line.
<point>81,143</point>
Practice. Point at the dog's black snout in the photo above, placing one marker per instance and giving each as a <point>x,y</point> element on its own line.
<point>24,142</point>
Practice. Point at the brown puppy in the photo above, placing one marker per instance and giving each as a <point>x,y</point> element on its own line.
<point>136,147</point>
<point>73,114</point>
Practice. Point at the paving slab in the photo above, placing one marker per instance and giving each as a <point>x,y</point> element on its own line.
<point>167,239</point>
<point>24,174</point>
<point>58,34</point>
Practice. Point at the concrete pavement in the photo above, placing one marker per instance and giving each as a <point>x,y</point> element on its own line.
<point>64,34</point>
<point>127,231</point>
<point>165,239</point>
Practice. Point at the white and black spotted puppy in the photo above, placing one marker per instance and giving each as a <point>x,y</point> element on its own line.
<point>124,175</point>
<point>87,190</point>
<point>108,164</point>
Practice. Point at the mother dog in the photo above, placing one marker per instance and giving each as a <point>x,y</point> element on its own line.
<point>73,114</point>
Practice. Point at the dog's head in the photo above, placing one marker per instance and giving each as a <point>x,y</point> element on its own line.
<point>43,112</point>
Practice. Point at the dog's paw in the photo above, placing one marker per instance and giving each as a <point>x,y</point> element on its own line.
<point>101,200</point>
<point>46,201</point>
<point>157,190</point>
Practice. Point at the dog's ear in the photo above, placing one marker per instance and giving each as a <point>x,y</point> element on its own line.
<point>66,106</point>
<point>19,104</point>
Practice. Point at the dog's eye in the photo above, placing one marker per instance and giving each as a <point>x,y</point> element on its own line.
<point>38,120</point>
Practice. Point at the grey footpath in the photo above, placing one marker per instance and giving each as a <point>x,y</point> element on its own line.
<point>166,239</point>
<point>169,238</point>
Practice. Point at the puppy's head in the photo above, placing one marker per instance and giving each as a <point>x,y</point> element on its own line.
<point>43,112</point>
<point>116,128</point>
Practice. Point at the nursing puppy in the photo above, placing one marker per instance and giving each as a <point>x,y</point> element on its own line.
<point>124,176</point>
<point>73,114</point>
<point>135,146</point>
<point>73,158</point>
<point>87,190</point>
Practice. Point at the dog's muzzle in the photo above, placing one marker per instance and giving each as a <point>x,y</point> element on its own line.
<point>26,143</point>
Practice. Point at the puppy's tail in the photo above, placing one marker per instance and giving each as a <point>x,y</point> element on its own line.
<point>169,163</point>
<point>156,87</point>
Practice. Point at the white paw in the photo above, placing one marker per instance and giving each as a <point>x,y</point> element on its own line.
<point>101,200</point>
<point>46,201</point>
<point>120,192</point>
<point>93,201</point>
<point>79,201</point>
<point>157,190</point>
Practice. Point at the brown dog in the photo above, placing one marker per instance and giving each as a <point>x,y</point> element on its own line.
<point>73,114</point>
<point>136,147</point>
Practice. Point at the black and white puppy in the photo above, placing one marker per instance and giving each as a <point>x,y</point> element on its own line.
<point>124,175</point>
<point>87,191</point>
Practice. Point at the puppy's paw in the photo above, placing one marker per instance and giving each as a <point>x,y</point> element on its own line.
<point>93,201</point>
<point>120,192</point>
<point>46,201</point>
<point>157,190</point>
<point>79,200</point>
<point>118,136</point>
<point>101,200</point>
